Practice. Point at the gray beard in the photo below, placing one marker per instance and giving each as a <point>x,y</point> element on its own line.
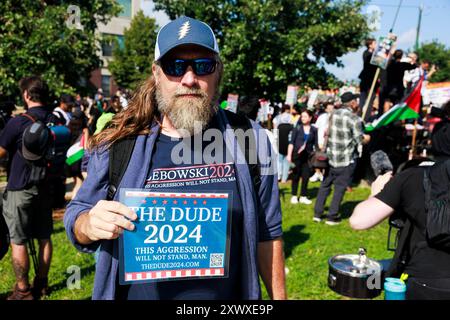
<point>189,116</point>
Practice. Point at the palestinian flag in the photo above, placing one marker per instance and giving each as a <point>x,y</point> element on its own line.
<point>76,151</point>
<point>408,109</point>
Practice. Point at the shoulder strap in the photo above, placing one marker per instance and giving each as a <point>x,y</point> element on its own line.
<point>119,157</point>
<point>242,122</point>
<point>427,187</point>
<point>59,115</point>
<point>401,254</point>
<point>29,117</point>
<point>327,133</point>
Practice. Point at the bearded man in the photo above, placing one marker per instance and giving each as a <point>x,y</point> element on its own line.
<point>176,107</point>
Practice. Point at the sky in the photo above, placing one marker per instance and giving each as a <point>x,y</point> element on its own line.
<point>435,24</point>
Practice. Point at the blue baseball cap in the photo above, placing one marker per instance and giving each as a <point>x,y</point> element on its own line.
<point>184,30</point>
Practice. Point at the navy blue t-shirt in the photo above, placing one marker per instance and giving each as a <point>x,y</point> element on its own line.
<point>18,170</point>
<point>197,175</point>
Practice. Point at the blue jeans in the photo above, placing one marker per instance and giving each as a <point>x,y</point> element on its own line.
<point>341,178</point>
<point>283,167</point>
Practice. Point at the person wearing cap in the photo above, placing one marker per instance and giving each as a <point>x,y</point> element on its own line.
<point>175,106</point>
<point>64,111</point>
<point>26,206</point>
<point>344,138</point>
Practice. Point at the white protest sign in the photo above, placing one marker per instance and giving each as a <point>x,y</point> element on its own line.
<point>232,102</point>
<point>291,95</point>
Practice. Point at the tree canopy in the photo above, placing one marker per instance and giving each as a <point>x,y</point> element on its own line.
<point>133,62</point>
<point>269,44</point>
<point>36,39</point>
<point>438,55</point>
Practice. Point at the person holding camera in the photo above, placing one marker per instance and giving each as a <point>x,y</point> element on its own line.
<point>411,195</point>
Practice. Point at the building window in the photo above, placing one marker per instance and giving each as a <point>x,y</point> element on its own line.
<point>108,43</point>
<point>107,46</point>
<point>126,8</point>
<point>106,85</point>
<point>121,41</point>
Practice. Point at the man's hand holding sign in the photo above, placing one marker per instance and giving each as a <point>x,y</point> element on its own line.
<point>105,221</point>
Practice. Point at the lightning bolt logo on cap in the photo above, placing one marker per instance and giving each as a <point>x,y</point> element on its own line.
<point>184,30</point>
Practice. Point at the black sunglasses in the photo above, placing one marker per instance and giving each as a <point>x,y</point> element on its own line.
<point>178,67</point>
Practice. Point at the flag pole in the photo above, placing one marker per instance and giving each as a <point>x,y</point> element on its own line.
<point>369,97</point>
<point>375,78</point>
<point>414,136</point>
<point>413,143</point>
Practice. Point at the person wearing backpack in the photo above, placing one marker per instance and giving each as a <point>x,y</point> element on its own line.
<point>25,204</point>
<point>420,196</point>
<point>175,107</point>
<point>64,111</point>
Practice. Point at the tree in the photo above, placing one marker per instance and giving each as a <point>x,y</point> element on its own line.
<point>269,44</point>
<point>133,62</point>
<point>438,55</point>
<point>41,37</point>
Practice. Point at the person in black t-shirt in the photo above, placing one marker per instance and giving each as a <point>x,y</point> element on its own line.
<point>428,268</point>
<point>392,89</point>
<point>366,76</point>
<point>26,206</point>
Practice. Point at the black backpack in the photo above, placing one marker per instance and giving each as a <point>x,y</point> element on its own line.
<point>39,168</point>
<point>54,156</point>
<point>120,155</point>
<point>436,184</point>
<point>284,130</point>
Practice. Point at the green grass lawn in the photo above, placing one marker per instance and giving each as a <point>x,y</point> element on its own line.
<point>308,246</point>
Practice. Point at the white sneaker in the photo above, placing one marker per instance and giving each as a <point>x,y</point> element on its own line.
<point>314,178</point>
<point>305,200</point>
<point>333,222</point>
<point>294,200</point>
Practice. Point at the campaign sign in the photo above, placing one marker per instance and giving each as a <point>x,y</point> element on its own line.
<point>177,236</point>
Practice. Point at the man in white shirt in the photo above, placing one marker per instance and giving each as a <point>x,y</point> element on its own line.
<point>63,112</point>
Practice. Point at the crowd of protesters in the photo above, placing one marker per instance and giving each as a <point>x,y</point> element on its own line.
<point>30,197</point>
<point>332,125</point>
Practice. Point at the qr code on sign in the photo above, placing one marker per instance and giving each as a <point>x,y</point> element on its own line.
<point>216,260</point>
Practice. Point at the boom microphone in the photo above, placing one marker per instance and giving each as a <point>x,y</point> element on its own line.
<point>380,163</point>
